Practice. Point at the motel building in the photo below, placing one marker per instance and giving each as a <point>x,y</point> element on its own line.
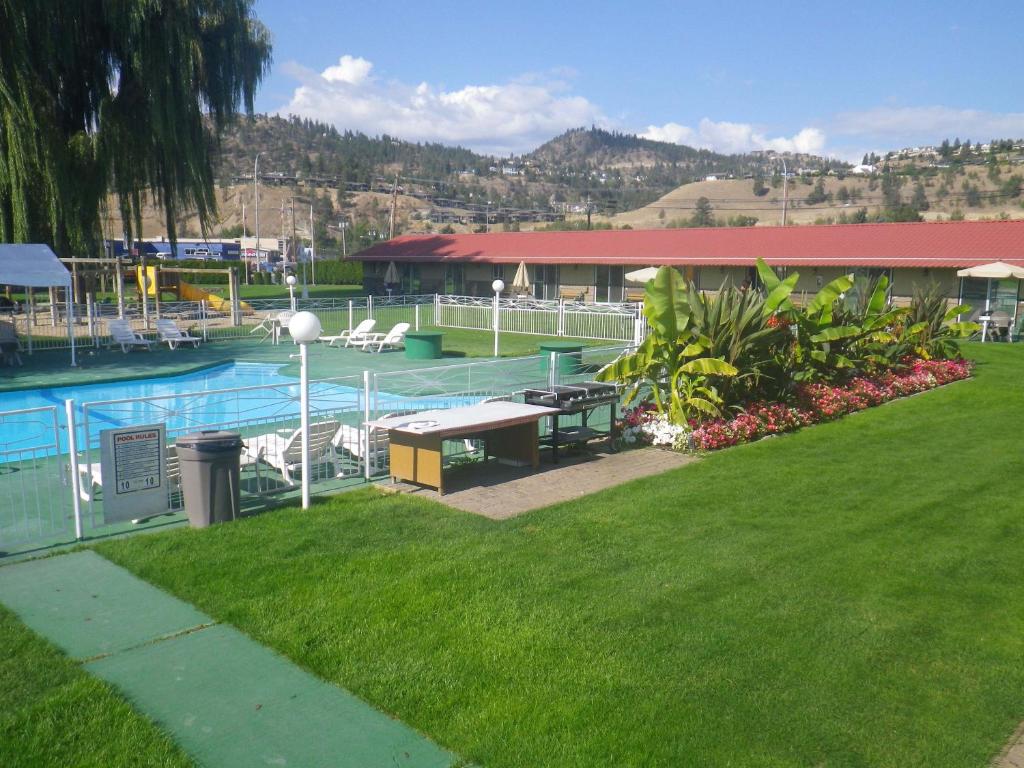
<point>591,265</point>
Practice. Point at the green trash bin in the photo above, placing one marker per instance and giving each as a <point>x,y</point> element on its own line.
<point>570,357</point>
<point>423,345</point>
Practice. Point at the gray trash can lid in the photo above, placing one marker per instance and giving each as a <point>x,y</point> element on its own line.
<point>210,441</point>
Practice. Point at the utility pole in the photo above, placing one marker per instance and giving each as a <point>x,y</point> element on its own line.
<point>785,191</point>
<point>256,188</point>
<point>312,245</point>
<point>344,244</point>
<point>394,208</point>
<point>243,217</point>
<point>589,209</point>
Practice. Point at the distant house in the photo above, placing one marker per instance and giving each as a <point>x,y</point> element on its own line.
<point>864,169</point>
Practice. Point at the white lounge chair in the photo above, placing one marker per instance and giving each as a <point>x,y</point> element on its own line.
<point>91,475</point>
<point>353,441</point>
<point>393,339</point>
<point>121,333</point>
<point>282,450</point>
<point>171,333</point>
<point>352,337</point>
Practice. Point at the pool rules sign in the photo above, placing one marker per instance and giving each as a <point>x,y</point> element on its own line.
<point>133,464</point>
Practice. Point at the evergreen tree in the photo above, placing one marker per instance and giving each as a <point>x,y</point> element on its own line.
<point>919,202</point>
<point>702,214</point>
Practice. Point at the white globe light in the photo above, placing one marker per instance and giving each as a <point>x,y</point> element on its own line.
<point>498,286</point>
<point>290,280</point>
<point>304,327</point>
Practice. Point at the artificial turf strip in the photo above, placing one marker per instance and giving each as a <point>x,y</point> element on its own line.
<point>850,595</point>
<point>54,714</point>
<point>225,699</point>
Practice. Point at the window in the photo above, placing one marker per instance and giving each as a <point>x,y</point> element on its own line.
<point>455,279</point>
<point>545,281</point>
<point>498,272</point>
<point>609,282</point>
<point>409,279</point>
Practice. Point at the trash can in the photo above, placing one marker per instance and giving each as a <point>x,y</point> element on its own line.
<point>570,357</point>
<point>209,464</point>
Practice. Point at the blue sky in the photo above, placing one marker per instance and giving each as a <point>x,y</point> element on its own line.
<point>828,77</point>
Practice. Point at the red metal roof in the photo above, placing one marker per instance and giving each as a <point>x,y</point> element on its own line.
<point>922,244</point>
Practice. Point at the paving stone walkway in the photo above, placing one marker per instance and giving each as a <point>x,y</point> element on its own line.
<point>226,699</point>
<point>499,491</point>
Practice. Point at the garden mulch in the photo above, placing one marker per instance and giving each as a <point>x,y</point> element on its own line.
<point>500,491</point>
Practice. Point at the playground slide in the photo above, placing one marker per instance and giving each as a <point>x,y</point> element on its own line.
<point>189,292</point>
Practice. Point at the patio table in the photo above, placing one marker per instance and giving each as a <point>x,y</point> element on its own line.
<point>509,431</point>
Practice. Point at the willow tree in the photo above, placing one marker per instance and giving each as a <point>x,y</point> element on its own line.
<point>117,96</point>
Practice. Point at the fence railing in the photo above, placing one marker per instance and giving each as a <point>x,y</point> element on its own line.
<point>45,326</point>
<point>51,485</point>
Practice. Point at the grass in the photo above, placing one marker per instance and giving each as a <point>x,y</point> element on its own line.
<point>52,713</point>
<point>846,596</point>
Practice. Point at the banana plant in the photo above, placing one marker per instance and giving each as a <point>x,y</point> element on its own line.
<point>672,366</point>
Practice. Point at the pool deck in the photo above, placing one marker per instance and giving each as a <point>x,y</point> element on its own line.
<point>50,368</point>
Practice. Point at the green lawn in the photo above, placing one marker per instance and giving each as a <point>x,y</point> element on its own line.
<point>54,714</point>
<point>847,596</point>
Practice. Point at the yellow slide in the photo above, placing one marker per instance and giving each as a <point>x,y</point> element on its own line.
<point>189,292</point>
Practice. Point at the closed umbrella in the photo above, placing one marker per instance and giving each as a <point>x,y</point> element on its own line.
<point>521,282</point>
<point>641,276</point>
<point>997,270</point>
<point>391,275</point>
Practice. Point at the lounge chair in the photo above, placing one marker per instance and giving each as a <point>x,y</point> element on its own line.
<point>10,345</point>
<point>171,333</point>
<point>91,475</point>
<point>121,333</point>
<point>282,450</point>
<point>393,339</point>
<point>351,337</point>
<point>353,441</point>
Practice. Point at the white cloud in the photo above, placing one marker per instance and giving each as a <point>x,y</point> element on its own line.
<point>730,137</point>
<point>497,118</point>
<point>912,125</point>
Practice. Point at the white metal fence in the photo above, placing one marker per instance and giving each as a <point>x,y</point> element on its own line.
<point>44,326</point>
<point>614,322</point>
<point>50,480</point>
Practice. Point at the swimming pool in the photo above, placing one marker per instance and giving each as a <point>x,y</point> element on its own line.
<point>236,396</point>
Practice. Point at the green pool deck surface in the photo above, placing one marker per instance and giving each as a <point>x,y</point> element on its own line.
<point>224,698</point>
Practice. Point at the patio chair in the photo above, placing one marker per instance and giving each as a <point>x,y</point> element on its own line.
<point>393,339</point>
<point>271,325</point>
<point>282,450</point>
<point>121,333</point>
<point>91,475</point>
<point>172,334</point>
<point>351,337</point>
<point>10,345</point>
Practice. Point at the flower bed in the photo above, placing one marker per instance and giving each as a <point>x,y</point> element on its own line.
<point>814,403</point>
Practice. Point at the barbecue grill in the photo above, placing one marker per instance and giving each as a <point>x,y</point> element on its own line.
<point>579,398</point>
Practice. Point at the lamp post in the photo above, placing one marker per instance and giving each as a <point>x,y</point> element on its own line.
<point>304,328</point>
<point>290,280</point>
<point>498,286</point>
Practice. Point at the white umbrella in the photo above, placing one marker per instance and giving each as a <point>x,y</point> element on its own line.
<point>642,276</point>
<point>521,282</point>
<point>997,270</point>
<point>391,275</point>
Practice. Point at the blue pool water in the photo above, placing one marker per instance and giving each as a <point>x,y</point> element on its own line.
<point>172,401</point>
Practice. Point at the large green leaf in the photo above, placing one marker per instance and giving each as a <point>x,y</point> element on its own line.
<point>767,274</point>
<point>964,329</point>
<point>828,296</point>
<point>837,332</point>
<point>709,366</point>
<point>778,297</point>
<point>960,309</point>
<point>665,304</point>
